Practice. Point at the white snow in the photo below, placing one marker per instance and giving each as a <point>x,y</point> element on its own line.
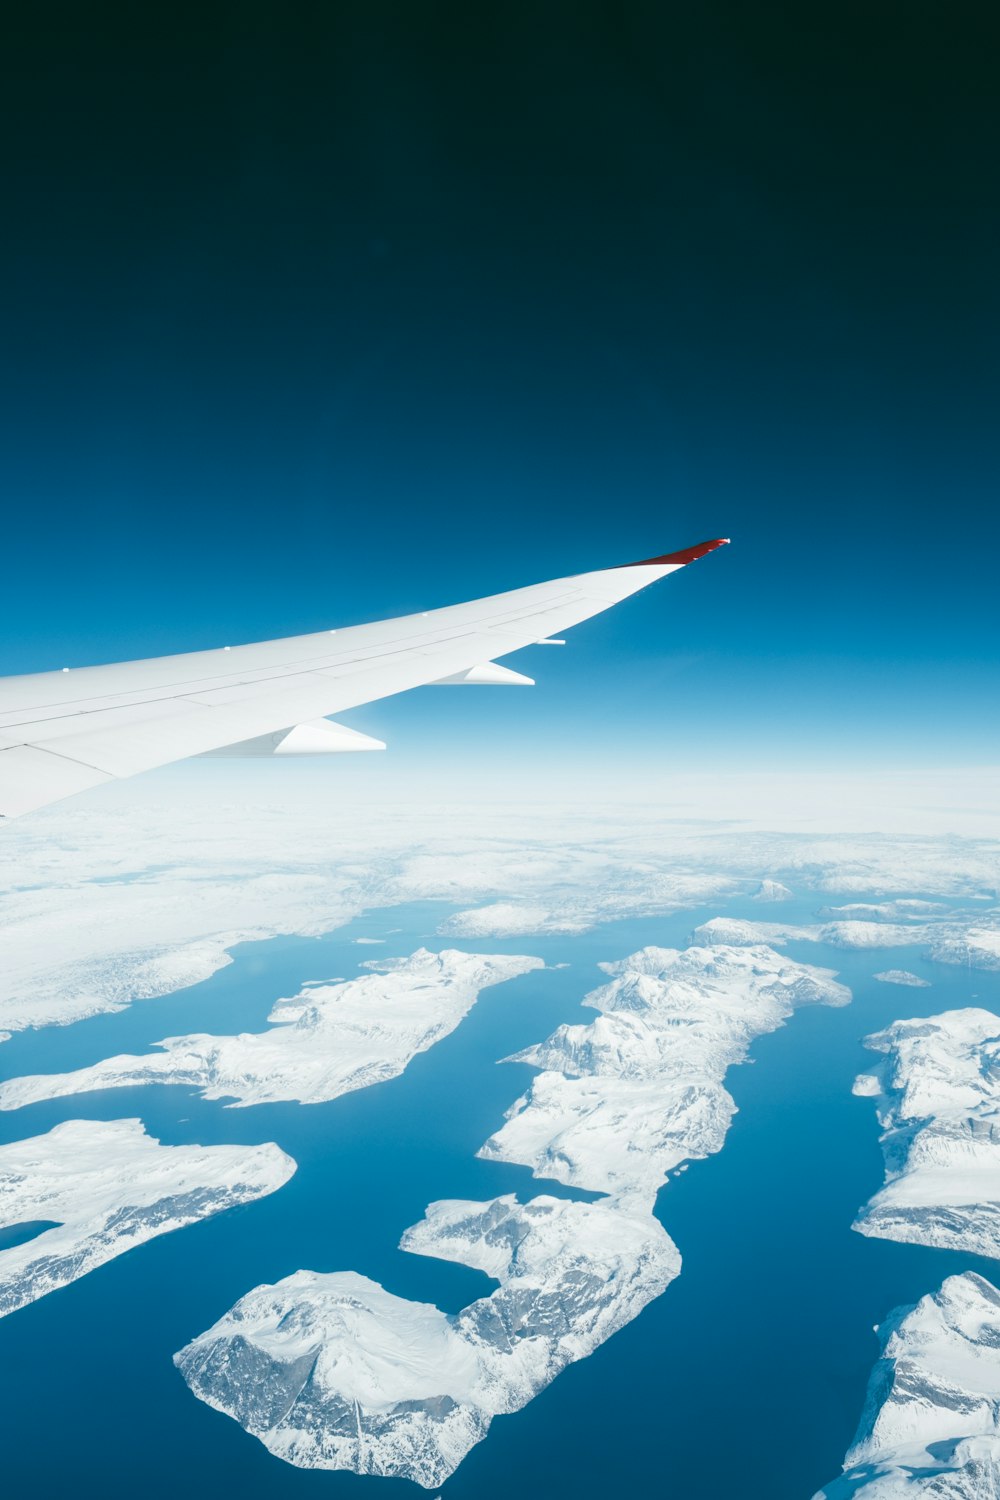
<point>938,1102</point>
<point>653,893</point>
<point>326,1041</point>
<point>103,907</point>
<point>903,976</point>
<point>107,1186</point>
<point>931,1421</point>
<point>333,1372</point>
<point>854,934</point>
<point>622,1101</point>
<point>144,888</point>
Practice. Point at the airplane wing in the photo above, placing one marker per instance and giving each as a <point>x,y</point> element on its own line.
<point>64,732</point>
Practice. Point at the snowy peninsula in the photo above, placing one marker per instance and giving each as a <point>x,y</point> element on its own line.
<point>937,1095</point>
<point>326,1041</point>
<point>105,1186</point>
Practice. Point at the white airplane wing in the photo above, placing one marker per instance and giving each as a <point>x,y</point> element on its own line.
<point>64,732</point>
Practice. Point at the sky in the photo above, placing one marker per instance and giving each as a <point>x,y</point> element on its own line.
<point>318,313</point>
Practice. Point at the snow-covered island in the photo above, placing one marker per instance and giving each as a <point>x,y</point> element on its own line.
<point>326,1041</point>
<point>931,1420</point>
<point>849,933</point>
<point>333,1372</point>
<point>938,1102</point>
<point>624,1100</point>
<point>105,1186</point>
<point>904,977</point>
<point>887,910</point>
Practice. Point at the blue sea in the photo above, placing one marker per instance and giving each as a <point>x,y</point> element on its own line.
<point>746,1378</point>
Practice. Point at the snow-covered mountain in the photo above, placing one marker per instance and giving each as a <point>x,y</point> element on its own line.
<point>938,1102</point>
<point>931,1421</point>
<point>772,890</point>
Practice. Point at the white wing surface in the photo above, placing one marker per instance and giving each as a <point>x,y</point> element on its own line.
<point>64,732</point>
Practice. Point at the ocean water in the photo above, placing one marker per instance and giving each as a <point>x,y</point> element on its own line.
<point>745,1379</point>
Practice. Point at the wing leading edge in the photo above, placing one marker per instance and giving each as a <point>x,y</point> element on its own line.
<point>64,732</point>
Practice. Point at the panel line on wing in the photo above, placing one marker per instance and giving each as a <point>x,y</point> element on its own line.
<point>334,666</point>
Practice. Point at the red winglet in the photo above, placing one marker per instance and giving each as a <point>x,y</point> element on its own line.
<point>680,559</point>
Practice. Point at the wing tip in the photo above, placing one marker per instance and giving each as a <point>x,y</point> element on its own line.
<point>682,558</point>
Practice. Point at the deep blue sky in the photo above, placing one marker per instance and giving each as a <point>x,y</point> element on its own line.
<point>317,313</point>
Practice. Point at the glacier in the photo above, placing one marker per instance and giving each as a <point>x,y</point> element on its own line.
<point>106,1186</point>
<point>326,1041</point>
<point>331,1371</point>
<point>931,1419</point>
<point>937,1096</point>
